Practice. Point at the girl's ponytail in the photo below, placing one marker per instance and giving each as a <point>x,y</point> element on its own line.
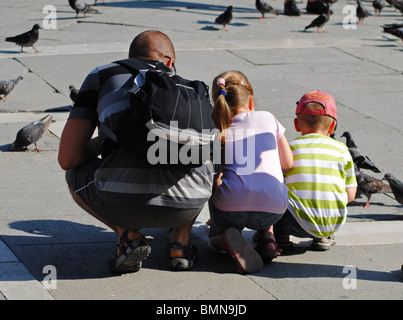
<point>229,90</point>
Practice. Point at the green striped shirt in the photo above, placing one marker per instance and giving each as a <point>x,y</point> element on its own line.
<point>317,182</point>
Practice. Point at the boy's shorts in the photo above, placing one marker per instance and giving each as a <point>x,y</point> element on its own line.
<point>289,226</point>
<point>255,220</point>
<point>131,216</point>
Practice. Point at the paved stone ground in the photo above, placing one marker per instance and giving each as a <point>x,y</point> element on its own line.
<point>41,225</point>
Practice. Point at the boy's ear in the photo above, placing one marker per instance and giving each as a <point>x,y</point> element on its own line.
<point>332,127</point>
<point>296,125</point>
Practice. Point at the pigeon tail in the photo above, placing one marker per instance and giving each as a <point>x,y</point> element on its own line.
<point>396,186</point>
<point>47,122</point>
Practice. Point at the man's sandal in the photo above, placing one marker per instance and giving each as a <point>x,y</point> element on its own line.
<point>132,254</point>
<point>190,255</point>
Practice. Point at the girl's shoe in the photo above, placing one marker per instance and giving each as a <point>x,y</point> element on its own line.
<point>247,259</point>
<point>265,251</point>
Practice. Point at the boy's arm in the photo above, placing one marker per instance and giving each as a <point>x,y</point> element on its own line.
<point>351,180</point>
<point>351,191</point>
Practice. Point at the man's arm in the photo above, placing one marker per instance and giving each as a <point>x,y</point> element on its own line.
<point>76,145</point>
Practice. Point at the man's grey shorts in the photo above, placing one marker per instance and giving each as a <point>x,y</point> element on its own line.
<point>255,220</point>
<point>129,216</point>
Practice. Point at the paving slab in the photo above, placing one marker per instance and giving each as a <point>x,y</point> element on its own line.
<point>41,226</point>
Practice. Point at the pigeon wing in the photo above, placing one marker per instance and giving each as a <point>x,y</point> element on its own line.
<point>317,22</point>
<point>81,6</point>
<point>20,39</point>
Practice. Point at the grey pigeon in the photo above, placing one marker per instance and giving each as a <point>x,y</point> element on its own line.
<point>30,134</point>
<point>264,7</point>
<point>396,185</point>
<point>361,12</point>
<point>398,4</point>
<point>73,93</point>
<point>6,86</point>
<point>320,22</point>
<point>378,6</point>
<point>395,29</point>
<point>359,158</point>
<point>225,18</point>
<point>368,186</point>
<point>26,39</point>
<point>80,6</point>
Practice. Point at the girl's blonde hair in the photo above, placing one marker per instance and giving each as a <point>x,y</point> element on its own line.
<point>230,90</point>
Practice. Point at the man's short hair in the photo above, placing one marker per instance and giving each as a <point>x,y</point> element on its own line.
<point>152,44</point>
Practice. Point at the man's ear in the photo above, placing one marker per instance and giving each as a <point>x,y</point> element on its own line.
<point>170,63</point>
<point>296,125</point>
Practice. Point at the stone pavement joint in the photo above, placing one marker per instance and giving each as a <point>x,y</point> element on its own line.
<point>42,226</point>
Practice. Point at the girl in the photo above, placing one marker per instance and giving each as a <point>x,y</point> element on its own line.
<point>249,190</point>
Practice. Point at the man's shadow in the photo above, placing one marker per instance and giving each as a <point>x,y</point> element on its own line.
<point>81,251</point>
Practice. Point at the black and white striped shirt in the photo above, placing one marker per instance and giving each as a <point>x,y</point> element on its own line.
<point>103,94</point>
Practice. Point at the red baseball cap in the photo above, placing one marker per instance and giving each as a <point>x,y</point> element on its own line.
<point>325,99</point>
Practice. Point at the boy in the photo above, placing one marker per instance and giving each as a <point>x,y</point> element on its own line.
<point>322,180</point>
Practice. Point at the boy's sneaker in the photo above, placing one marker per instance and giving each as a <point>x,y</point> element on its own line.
<point>322,244</point>
<point>283,241</point>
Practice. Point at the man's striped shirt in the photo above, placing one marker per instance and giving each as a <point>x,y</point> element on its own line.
<point>103,95</point>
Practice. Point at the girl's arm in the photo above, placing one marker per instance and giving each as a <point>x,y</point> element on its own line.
<point>285,153</point>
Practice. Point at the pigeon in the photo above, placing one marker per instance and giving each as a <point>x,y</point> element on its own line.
<point>319,22</point>
<point>396,185</point>
<point>378,6</point>
<point>80,6</point>
<point>30,134</point>
<point>398,4</point>
<point>359,158</point>
<point>264,7</point>
<point>368,186</point>
<point>73,93</point>
<point>317,6</point>
<point>395,29</point>
<point>26,39</point>
<point>361,12</point>
<point>290,8</point>
<point>6,86</point>
<point>225,18</point>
